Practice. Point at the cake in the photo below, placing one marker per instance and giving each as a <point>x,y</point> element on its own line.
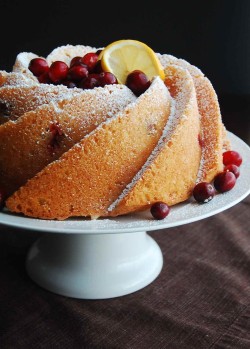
<point>106,151</point>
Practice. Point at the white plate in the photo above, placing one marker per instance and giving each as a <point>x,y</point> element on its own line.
<point>184,213</point>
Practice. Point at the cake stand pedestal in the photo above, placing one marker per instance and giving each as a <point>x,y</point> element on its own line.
<point>94,266</point>
<point>108,258</point>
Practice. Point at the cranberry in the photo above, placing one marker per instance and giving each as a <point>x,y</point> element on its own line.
<point>58,71</point>
<point>90,82</point>
<point>98,67</point>
<point>159,210</point>
<point>77,72</point>
<point>38,66</point>
<point>138,82</point>
<point>107,78</point>
<point>75,60</point>
<point>224,181</point>
<point>200,140</point>
<point>55,129</point>
<point>56,136</point>
<point>69,83</point>
<point>44,78</point>
<point>203,192</point>
<point>90,59</point>
<point>232,157</point>
<point>233,168</point>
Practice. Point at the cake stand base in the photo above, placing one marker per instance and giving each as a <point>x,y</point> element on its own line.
<point>94,266</point>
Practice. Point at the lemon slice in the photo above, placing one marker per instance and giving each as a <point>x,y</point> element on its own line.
<point>123,56</point>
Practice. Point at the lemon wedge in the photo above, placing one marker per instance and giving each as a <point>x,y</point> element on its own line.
<point>123,56</point>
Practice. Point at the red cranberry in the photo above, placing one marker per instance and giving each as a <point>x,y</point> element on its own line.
<point>203,192</point>
<point>90,82</point>
<point>75,60</point>
<point>159,210</point>
<point>138,82</point>
<point>200,140</point>
<point>55,129</point>
<point>90,59</point>
<point>56,136</point>
<point>69,83</point>
<point>232,157</point>
<point>224,181</point>
<point>58,71</point>
<point>38,66</point>
<point>233,168</point>
<point>98,67</point>
<point>44,78</point>
<point>107,78</point>
<point>78,72</point>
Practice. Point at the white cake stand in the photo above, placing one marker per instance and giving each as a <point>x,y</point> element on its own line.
<point>107,258</point>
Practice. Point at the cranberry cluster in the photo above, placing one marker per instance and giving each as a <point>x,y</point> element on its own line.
<point>223,181</point>
<point>84,72</point>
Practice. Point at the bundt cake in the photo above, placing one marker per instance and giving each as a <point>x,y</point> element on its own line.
<point>102,146</point>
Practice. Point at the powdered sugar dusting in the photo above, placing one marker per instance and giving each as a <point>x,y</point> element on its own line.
<point>105,101</point>
<point>166,60</point>
<point>22,61</point>
<point>67,52</point>
<point>16,79</point>
<point>20,99</point>
<point>21,64</point>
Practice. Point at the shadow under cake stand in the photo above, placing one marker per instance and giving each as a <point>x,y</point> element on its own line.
<point>106,258</point>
